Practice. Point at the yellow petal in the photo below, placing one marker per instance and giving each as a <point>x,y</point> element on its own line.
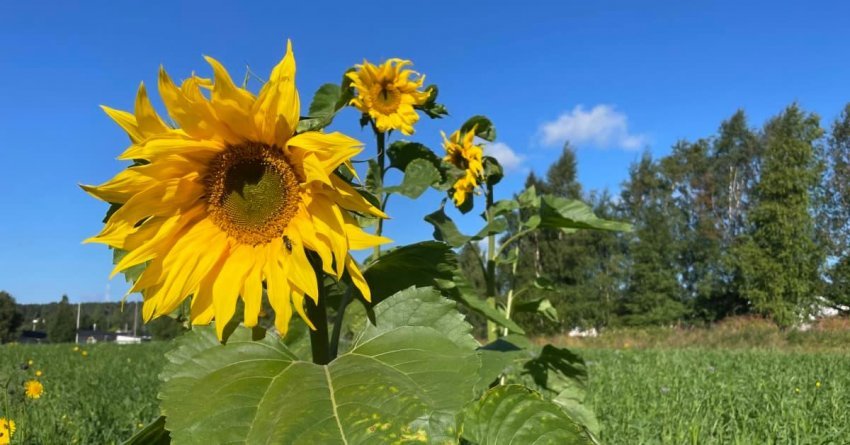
<point>347,197</point>
<point>277,108</point>
<point>252,289</point>
<point>126,121</point>
<point>192,112</point>
<point>300,271</point>
<point>357,278</point>
<point>228,283</point>
<point>149,123</point>
<point>232,104</point>
<point>330,149</point>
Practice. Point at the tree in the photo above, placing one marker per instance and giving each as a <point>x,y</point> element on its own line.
<point>61,323</point>
<point>835,209</point>
<point>10,318</point>
<point>779,258</point>
<point>653,294</point>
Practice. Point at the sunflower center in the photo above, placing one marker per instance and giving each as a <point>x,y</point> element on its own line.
<point>252,192</point>
<point>386,97</point>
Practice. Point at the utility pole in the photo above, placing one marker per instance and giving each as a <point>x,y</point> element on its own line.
<point>77,336</point>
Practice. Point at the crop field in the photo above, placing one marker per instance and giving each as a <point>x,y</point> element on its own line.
<point>659,396</point>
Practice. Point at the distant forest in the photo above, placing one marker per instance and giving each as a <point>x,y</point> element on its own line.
<point>746,221</point>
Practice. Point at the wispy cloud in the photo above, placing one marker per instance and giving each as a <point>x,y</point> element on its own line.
<point>600,127</point>
<point>506,156</point>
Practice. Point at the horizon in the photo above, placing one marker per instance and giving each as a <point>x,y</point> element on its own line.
<point>545,75</point>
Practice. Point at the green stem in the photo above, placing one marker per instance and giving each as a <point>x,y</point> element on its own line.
<point>382,197</point>
<point>511,239</point>
<point>492,329</point>
<point>340,313</point>
<point>318,314</point>
<point>510,299</point>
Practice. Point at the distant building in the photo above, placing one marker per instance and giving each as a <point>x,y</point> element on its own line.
<point>32,337</point>
<point>88,336</point>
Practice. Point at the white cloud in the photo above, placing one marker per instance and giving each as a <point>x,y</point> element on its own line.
<point>506,156</point>
<point>602,127</point>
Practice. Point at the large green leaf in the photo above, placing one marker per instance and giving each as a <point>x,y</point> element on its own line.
<point>431,107</point>
<point>562,213</point>
<point>418,264</point>
<point>404,381</point>
<point>419,175</point>
<point>446,230</point>
<point>484,129</point>
<point>153,434</point>
<point>513,414</point>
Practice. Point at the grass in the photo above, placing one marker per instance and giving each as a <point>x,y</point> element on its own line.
<point>100,398</point>
<point>702,396</point>
<point>742,383</point>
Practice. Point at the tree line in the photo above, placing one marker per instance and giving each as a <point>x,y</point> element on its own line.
<point>746,221</point>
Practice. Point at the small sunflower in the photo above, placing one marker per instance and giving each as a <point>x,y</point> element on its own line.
<point>462,152</point>
<point>7,430</point>
<point>33,389</point>
<point>388,93</point>
<point>232,199</point>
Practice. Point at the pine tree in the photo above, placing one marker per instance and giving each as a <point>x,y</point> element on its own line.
<point>835,210</point>
<point>61,323</point>
<point>779,258</point>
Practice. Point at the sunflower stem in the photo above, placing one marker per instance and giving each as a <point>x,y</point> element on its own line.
<point>492,329</point>
<point>340,313</point>
<point>382,197</point>
<point>318,314</point>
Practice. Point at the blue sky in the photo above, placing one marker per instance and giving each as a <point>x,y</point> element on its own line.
<point>615,77</point>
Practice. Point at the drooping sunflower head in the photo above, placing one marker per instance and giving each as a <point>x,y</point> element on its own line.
<point>7,430</point>
<point>33,389</point>
<point>463,153</point>
<point>387,93</point>
<point>232,201</point>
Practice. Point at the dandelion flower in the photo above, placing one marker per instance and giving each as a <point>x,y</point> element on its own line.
<point>30,362</point>
<point>388,93</point>
<point>231,199</point>
<point>76,348</point>
<point>33,389</point>
<point>817,384</point>
<point>85,353</point>
<point>7,429</point>
<point>38,373</point>
<point>462,152</point>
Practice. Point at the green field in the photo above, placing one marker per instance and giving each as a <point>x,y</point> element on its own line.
<point>669,396</point>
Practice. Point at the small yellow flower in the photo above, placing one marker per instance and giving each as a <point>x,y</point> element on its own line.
<point>462,152</point>
<point>797,390</point>
<point>140,425</point>
<point>38,373</point>
<point>30,362</point>
<point>817,384</point>
<point>33,389</point>
<point>85,353</point>
<point>7,429</point>
<point>76,349</point>
<point>388,94</point>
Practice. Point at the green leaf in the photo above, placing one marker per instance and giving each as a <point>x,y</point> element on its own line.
<point>419,264</point>
<point>463,292</point>
<point>399,383</point>
<point>152,434</point>
<point>512,414</point>
<point>374,181</point>
<point>402,153</point>
<point>445,229</point>
<point>131,274</point>
<point>562,213</point>
<point>431,107</point>
<point>493,172</point>
<point>528,198</point>
<point>541,306</point>
<point>418,176</point>
<point>322,109</point>
<point>504,207</point>
<point>484,129</point>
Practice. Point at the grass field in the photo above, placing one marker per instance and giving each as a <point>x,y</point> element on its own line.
<point>652,396</point>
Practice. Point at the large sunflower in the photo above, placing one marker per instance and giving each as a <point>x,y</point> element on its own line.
<point>231,199</point>
<point>463,153</point>
<point>387,93</point>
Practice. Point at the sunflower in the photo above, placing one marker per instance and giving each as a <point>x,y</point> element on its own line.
<point>462,152</point>
<point>33,389</point>
<point>232,199</point>
<point>387,93</point>
<point>7,429</point>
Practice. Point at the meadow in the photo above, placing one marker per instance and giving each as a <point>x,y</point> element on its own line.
<point>642,396</point>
